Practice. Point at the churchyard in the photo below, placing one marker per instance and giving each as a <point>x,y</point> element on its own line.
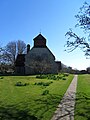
<point>24,97</point>
<point>37,97</point>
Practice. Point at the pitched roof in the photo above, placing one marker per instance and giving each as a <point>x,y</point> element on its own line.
<point>39,51</point>
<point>40,37</point>
<point>39,41</point>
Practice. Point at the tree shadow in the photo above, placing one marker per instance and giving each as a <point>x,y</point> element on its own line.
<point>48,102</point>
<point>13,113</point>
<point>67,109</point>
<point>67,104</point>
<point>82,105</point>
<point>43,104</point>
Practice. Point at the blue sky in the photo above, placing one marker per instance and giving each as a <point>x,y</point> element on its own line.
<point>25,19</point>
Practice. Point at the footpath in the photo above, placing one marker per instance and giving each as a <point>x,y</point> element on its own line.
<point>65,110</point>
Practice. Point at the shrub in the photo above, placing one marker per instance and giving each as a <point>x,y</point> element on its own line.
<point>39,83</point>
<point>43,83</point>
<point>53,77</point>
<point>47,84</point>
<point>21,84</point>
<point>63,78</point>
<point>1,77</point>
<point>45,92</point>
<point>41,76</point>
<point>65,74</point>
<point>59,77</point>
<point>25,84</point>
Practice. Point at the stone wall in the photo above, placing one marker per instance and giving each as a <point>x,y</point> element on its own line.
<point>40,60</point>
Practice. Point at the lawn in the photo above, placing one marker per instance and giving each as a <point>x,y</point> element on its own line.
<point>82,108</point>
<point>30,98</point>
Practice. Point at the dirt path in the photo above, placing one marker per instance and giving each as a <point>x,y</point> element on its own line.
<point>65,110</point>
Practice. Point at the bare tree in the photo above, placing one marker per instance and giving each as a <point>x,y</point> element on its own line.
<point>21,46</point>
<point>39,64</point>
<point>75,41</point>
<point>41,67</point>
<point>9,53</point>
<point>12,49</point>
<point>1,54</point>
<point>0,49</point>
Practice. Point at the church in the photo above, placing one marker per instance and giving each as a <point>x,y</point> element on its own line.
<point>38,59</point>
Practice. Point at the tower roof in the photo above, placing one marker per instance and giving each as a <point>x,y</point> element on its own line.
<point>40,37</point>
<point>39,41</point>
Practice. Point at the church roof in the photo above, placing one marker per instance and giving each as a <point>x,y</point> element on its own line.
<point>39,41</point>
<point>39,37</point>
<point>43,52</point>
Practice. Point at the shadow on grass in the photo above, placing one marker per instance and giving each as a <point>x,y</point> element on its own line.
<point>43,105</point>
<point>82,105</point>
<point>66,108</point>
<point>48,103</point>
<point>12,113</point>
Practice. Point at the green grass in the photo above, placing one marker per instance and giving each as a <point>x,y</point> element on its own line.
<point>32,101</point>
<point>82,110</point>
